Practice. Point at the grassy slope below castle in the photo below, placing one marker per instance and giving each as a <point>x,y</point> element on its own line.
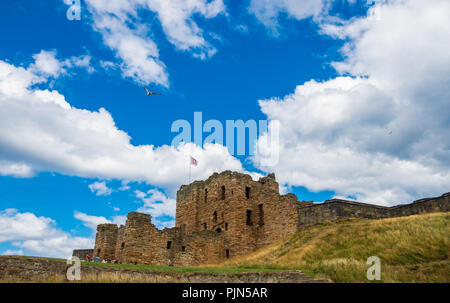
<point>411,249</point>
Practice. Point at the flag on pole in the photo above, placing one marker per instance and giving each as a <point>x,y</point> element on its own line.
<point>193,161</point>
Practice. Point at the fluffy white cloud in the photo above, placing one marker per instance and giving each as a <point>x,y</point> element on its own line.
<point>37,236</point>
<point>22,226</point>
<point>267,11</point>
<point>381,134</point>
<point>8,168</point>
<point>100,188</point>
<point>60,246</point>
<point>156,203</point>
<point>126,32</point>
<point>92,221</point>
<point>41,131</point>
<point>46,64</point>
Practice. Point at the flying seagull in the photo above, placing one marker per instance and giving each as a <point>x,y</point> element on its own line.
<point>150,92</point>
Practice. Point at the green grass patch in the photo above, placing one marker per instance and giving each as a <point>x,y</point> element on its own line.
<point>411,249</point>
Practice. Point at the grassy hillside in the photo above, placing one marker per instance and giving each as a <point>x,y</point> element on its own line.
<point>411,249</point>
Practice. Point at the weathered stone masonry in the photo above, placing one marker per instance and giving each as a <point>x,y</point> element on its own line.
<point>230,214</point>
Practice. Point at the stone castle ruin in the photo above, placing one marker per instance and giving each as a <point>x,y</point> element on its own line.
<point>230,214</point>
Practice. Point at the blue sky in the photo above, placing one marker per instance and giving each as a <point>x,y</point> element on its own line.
<point>327,70</point>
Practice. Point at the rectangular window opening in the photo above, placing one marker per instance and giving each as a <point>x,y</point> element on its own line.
<point>249,217</point>
<point>247,192</point>
<point>169,244</point>
<point>261,214</point>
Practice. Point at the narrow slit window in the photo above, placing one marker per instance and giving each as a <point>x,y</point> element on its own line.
<point>204,226</point>
<point>183,248</point>
<point>247,192</point>
<point>227,253</point>
<point>206,195</point>
<point>261,214</point>
<point>215,217</point>
<point>226,226</point>
<point>169,244</point>
<point>222,195</point>
<point>249,217</point>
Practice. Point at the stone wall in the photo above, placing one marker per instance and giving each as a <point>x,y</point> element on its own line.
<point>105,241</point>
<point>334,209</point>
<point>81,253</point>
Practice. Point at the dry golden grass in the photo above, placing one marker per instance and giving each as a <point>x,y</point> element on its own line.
<point>411,249</point>
<point>101,277</point>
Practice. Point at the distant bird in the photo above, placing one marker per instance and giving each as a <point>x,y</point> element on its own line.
<point>390,133</point>
<point>149,93</point>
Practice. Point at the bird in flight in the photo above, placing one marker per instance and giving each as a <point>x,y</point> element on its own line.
<point>149,93</point>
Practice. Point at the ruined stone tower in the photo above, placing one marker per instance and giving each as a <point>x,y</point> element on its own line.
<point>230,214</point>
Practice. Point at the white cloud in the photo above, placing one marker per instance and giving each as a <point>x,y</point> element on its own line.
<point>100,188</point>
<point>37,236</point>
<point>382,134</point>
<point>124,187</point>
<point>47,65</point>
<point>156,203</point>
<point>127,33</point>
<point>41,131</point>
<point>14,169</point>
<point>12,252</point>
<point>268,10</point>
<point>90,221</point>
<point>119,220</point>
<point>21,226</point>
<point>60,246</point>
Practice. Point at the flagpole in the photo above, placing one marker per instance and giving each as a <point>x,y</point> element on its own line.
<point>190,164</point>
